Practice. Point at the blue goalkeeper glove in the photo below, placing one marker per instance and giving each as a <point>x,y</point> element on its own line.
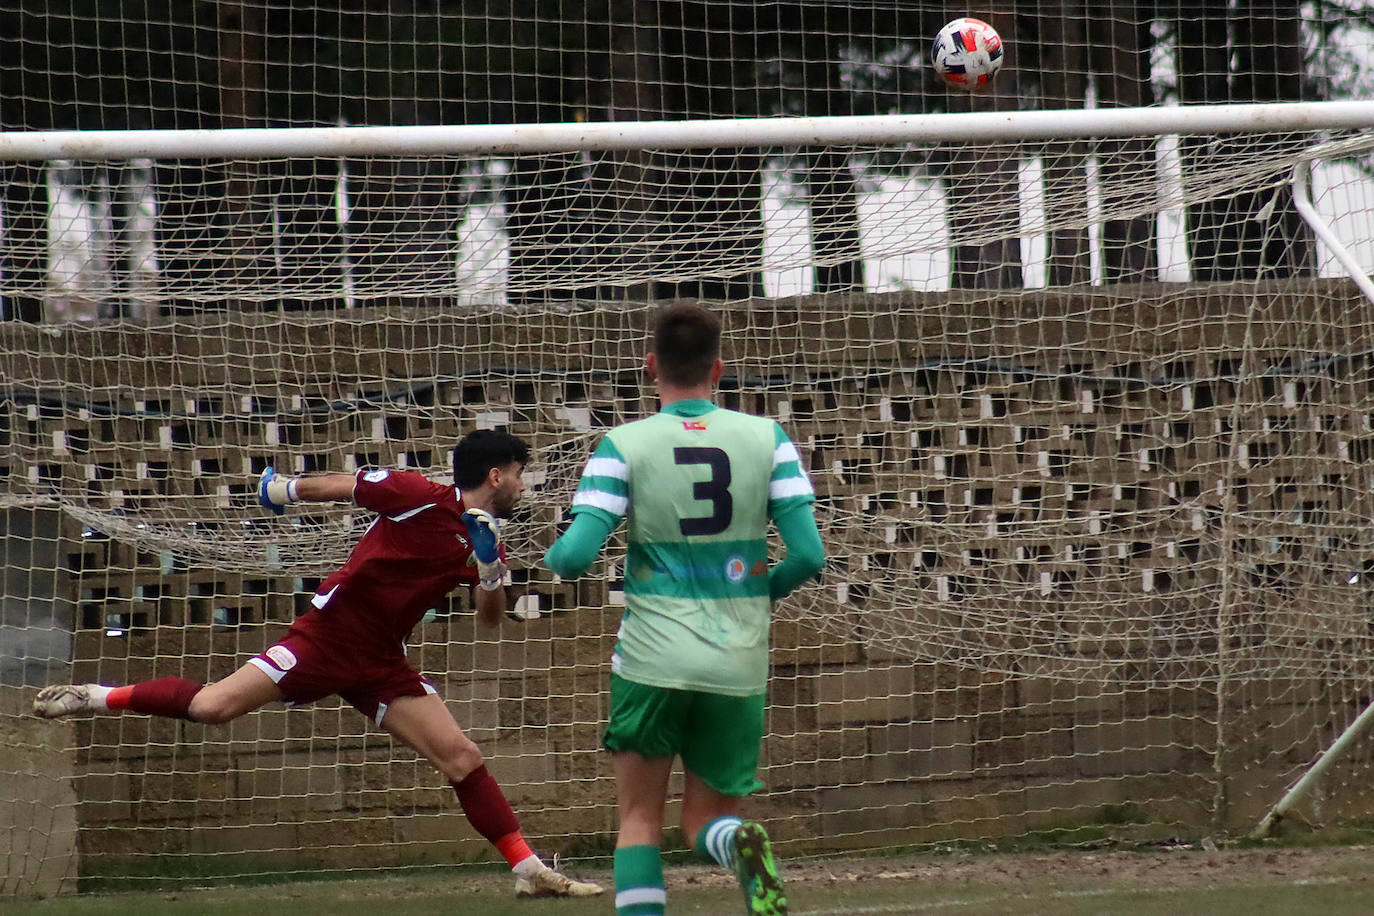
<point>485,533</point>
<point>275,492</point>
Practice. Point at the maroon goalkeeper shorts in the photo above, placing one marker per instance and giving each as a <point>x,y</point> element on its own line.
<point>307,670</point>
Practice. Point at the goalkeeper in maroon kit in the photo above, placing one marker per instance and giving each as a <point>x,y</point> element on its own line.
<point>427,539</point>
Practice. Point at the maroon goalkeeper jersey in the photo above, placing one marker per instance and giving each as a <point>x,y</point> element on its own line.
<point>415,552</point>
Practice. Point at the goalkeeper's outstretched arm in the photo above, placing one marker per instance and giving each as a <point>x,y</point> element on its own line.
<point>277,491</point>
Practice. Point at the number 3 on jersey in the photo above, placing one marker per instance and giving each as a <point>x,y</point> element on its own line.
<point>715,490</point>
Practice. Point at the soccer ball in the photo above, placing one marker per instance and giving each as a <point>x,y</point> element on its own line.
<point>967,53</point>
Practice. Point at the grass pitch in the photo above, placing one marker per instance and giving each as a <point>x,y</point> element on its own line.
<point>1322,881</point>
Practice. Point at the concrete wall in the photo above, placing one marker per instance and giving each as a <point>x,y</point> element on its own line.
<point>38,805</point>
<point>1059,583</point>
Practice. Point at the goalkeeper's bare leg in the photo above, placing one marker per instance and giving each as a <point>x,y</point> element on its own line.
<point>223,701</point>
<point>425,724</point>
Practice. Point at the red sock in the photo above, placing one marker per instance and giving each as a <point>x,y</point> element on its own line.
<point>514,848</point>
<point>490,814</point>
<point>166,696</point>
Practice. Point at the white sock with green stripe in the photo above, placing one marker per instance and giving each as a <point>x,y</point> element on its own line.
<point>716,841</point>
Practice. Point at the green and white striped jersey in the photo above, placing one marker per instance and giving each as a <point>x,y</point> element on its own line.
<point>698,485</point>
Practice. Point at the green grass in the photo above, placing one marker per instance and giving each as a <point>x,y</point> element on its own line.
<point>1091,871</point>
<point>1114,826</point>
<point>170,873</point>
<point>1293,835</point>
<point>173,872</point>
<point>436,895</point>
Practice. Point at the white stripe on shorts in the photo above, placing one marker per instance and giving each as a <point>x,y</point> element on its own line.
<point>381,707</point>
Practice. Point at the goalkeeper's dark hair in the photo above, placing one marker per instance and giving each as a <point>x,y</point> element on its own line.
<point>480,451</point>
<point>686,343</point>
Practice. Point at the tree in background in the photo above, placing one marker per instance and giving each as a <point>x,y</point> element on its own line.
<point>156,74</point>
<point>79,64</point>
<point>982,190</point>
<point>309,63</point>
<point>710,72</point>
<point>1250,53</point>
<point>832,190</point>
<point>1074,48</point>
<point>403,217</point>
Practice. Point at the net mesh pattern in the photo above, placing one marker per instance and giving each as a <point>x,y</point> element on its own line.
<point>1090,422</point>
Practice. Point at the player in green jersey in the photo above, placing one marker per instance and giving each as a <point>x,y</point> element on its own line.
<point>699,485</point>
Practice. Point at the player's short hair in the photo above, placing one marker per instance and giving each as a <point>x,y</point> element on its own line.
<point>686,343</point>
<point>480,451</point>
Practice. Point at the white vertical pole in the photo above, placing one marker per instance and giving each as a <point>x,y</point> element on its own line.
<point>1362,722</point>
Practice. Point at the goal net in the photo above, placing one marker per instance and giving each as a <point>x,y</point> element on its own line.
<point>1089,410</point>
<point>1099,550</point>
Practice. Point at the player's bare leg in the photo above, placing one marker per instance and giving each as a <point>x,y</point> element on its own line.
<point>702,804</point>
<point>641,785</point>
<point>425,725</point>
<point>240,693</point>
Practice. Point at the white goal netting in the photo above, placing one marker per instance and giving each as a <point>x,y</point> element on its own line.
<point>1090,422</point>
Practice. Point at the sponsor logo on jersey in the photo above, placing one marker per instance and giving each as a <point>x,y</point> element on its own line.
<point>282,657</point>
<point>759,568</point>
<point>736,569</point>
<point>376,476</point>
<point>462,541</point>
<point>694,425</point>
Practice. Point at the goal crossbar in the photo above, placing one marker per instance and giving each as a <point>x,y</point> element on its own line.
<point>480,139</point>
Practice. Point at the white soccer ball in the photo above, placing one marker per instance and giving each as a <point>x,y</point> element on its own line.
<point>967,53</point>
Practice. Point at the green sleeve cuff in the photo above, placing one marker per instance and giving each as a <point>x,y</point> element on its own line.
<point>578,547</point>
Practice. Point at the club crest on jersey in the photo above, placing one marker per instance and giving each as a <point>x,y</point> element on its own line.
<point>282,657</point>
<point>736,569</point>
<point>694,425</point>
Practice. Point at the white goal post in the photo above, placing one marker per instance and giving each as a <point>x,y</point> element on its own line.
<point>1090,419</point>
<point>490,139</point>
<point>1352,733</point>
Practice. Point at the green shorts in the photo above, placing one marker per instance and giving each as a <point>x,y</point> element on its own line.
<point>717,736</point>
